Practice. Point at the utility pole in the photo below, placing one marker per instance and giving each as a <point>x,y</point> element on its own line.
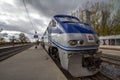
<point>13,40</point>
<point>0,35</point>
<point>1,30</point>
<point>37,39</point>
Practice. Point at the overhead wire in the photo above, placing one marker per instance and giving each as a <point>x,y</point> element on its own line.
<point>29,16</point>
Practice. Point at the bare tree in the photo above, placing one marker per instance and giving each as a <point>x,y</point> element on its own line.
<point>23,38</point>
<point>99,19</point>
<point>2,40</point>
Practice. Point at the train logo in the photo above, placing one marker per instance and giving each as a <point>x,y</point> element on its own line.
<point>90,37</point>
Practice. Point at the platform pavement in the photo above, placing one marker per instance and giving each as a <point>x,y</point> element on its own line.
<point>31,64</point>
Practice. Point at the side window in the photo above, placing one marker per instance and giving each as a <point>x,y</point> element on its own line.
<point>53,23</point>
<point>46,33</point>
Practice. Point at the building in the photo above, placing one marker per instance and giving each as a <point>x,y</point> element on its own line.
<point>85,16</point>
<point>110,40</point>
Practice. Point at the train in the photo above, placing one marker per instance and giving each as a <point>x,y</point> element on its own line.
<point>74,44</point>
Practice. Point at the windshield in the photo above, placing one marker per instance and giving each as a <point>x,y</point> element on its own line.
<point>68,19</point>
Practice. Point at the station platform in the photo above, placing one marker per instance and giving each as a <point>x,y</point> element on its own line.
<point>110,47</point>
<point>110,50</point>
<point>31,64</point>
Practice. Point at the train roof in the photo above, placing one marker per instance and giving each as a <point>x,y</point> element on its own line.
<point>65,16</point>
<point>75,27</point>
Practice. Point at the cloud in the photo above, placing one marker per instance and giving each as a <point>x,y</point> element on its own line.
<point>13,15</point>
<point>51,7</point>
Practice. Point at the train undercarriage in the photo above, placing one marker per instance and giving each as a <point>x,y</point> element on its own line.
<point>78,64</point>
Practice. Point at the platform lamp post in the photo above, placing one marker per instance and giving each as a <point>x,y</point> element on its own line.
<point>36,38</point>
<point>1,30</point>
<point>13,41</point>
<point>0,35</point>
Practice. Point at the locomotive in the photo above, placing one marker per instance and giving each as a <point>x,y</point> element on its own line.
<point>74,44</point>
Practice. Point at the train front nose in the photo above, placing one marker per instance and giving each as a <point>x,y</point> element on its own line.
<point>91,63</point>
<point>80,65</point>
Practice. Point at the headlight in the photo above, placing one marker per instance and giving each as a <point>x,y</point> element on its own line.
<point>81,42</point>
<point>98,42</point>
<point>73,42</point>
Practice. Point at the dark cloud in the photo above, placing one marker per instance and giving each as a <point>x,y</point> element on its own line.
<point>52,7</point>
<point>24,28</point>
<point>44,8</point>
<point>38,22</point>
<point>17,19</point>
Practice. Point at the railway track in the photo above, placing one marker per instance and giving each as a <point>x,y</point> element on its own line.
<point>111,59</point>
<point>10,51</point>
<point>111,66</point>
<point>98,76</point>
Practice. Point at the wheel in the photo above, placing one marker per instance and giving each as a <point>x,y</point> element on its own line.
<point>53,51</point>
<point>43,45</point>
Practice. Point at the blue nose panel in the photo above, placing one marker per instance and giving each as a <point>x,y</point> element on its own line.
<point>77,28</point>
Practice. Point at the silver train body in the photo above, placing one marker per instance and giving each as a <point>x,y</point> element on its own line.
<point>74,44</point>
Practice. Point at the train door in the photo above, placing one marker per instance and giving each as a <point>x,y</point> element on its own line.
<point>46,40</point>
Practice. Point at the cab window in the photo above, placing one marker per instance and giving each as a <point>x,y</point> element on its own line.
<point>53,23</point>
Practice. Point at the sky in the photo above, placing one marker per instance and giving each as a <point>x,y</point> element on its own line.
<point>14,19</point>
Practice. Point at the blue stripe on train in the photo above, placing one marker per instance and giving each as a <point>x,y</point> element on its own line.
<point>77,28</point>
<point>68,48</point>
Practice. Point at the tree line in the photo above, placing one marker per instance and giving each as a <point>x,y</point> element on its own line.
<point>105,22</point>
<point>22,39</point>
<point>104,17</point>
